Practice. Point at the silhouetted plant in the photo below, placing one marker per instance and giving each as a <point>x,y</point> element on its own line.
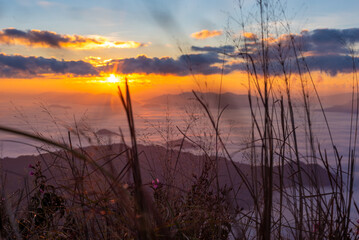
<point>46,209</point>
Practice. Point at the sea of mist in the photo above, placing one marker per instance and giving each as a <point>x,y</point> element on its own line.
<point>53,118</point>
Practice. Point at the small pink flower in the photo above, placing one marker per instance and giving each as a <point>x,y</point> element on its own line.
<point>32,173</point>
<point>155,183</point>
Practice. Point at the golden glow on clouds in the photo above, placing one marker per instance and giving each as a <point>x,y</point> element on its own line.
<point>97,61</point>
<point>49,39</point>
<point>250,35</point>
<point>206,34</point>
<point>103,43</point>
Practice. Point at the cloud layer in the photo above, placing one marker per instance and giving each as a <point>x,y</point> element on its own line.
<point>203,34</point>
<point>329,41</point>
<point>15,66</point>
<point>324,50</point>
<point>184,65</point>
<point>50,39</point>
<point>222,49</point>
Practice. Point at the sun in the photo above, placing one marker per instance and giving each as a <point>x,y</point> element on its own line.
<point>113,79</point>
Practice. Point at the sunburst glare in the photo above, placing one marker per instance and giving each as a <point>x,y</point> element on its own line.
<point>113,79</point>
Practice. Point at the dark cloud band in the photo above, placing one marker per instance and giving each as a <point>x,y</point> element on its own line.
<point>223,49</point>
<point>13,66</point>
<point>182,66</point>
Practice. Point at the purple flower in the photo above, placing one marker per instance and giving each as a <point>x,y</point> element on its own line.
<point>155,183</point>
<point>32,173</point>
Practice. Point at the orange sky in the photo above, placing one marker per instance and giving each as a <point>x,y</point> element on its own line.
<point>146,86</point>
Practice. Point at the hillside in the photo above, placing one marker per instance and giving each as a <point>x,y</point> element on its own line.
<point>171,167</point>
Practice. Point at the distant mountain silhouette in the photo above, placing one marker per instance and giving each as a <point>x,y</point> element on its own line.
<point>185,144</point>
<point>106,132</point>
<point>54,99</point>
<point>335,99</point>
<point>347,107</point>
<point>58,106</point>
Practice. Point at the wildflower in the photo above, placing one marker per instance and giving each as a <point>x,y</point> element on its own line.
<point>155,183</point>
<point>32,173</point>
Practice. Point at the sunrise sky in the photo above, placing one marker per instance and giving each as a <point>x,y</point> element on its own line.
<point>160,45</point>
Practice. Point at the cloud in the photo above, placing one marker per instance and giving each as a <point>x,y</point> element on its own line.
<point>250,36</point>
<point>222,49</point>
<point>206,34</point>
<point>50,39</point>
<point>315,42</point>
<point>328,41</point>
<point>324,50</point>
<point>327,50</point>
<point>16,66</point>
<point>332,64</point>
<point>184,65</point>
